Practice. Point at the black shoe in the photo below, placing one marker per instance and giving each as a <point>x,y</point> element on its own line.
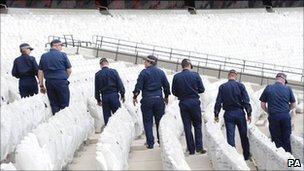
<point>148,146</point>
<point>201,151</point>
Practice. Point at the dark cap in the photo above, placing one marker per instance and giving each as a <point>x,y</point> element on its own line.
<point>55,41</point>
<point>25,46</point>
<point>232,71</point>
<point>152,59</point>
<point>102,60</point>
<point>186,62</point>
<point>282,75</point>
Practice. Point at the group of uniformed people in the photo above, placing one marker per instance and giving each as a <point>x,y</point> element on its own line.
<point>232,96</point>
<point>54,66</point>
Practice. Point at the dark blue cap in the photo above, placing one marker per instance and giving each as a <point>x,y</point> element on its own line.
<point>55,41</point>
<point>25,46</point>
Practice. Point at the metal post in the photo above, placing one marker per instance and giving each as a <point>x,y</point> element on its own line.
<point>176,69</point>
<point>101,42</point>
<point>73,40</point>
<point>66,43</point>
<point>135,50</point>
<point>97,53</point>
<point>116,55</point>
<point>219,74</point>
<point>136,57</point>
<point>170,54</point>
<point>262,74</point>
<point>77,50</point>
<point>206,60</point>
<point>198,65</point>
<point>189,54</point>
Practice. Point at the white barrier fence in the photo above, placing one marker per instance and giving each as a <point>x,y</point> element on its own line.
<point>170,131</point>
<point>52,144</point>
<point>113,147</point>
<point>20,117</point>
<point>265,153</point>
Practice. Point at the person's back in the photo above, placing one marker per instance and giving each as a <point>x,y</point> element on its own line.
<point>54,64</point>
<point>25,68</point>
<point>108,84</point>
<point>153,81</point>
<point>233,97</point>
<point>55,67</point>
<point>232,91</point>
<point>278,97</point>
<point>280,100</point>
<point>187,85</point>
<point>108,81</point>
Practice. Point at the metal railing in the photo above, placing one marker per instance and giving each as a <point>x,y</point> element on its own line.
<point>198,59</point>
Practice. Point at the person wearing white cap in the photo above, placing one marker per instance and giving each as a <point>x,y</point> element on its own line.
<point>25,68</point>
<point>152,81</point>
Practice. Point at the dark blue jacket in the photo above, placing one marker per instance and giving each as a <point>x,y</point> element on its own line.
<point>151,81</point>
<point>187,85</point>
<point>24,67</point>
<point>108,81</point>
<point>233,96</point>
<point>54,64</point>
<point>278,97</point>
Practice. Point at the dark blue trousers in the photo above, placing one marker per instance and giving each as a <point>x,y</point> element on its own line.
<point>280,130</point>
<point>237,118</point>
<point>28,86</point>
<point>110,104</point>
<point>152,107</point>
<point>191,114</point>
<point>58,93</point>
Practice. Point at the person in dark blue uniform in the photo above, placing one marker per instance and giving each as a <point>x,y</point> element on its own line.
<point>108,84</point>
<point>26,69</point>
<point>55,67</point>
<point>151,81</point>
<point>280,100</point>
<point>234,98</point>
<point>186,86</point>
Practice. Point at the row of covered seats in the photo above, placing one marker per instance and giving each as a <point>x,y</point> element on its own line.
<point>266,155</point>
<point>20,117</point>
<point>171,130</point>
<point>52,145</point>
<point>114,143</point>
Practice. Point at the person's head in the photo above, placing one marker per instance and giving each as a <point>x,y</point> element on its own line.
<point>282,78</point>
<point>56,44</point>
<point>103,62</point>
<point>232,75</point>
<point>150,61</point>
<point>186,64</point>
<point>25,49</point>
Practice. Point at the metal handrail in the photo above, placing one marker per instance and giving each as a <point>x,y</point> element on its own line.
<point>119,45</point>
<point>177,49</point>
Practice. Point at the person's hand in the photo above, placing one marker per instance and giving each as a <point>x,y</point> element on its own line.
<point>42,89</point>
<point>123,99</point>
<point>99,103</point>
<point>216,119</point>
<point>249,119</point>
<point>166,100</point>
<point>134,101</point>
